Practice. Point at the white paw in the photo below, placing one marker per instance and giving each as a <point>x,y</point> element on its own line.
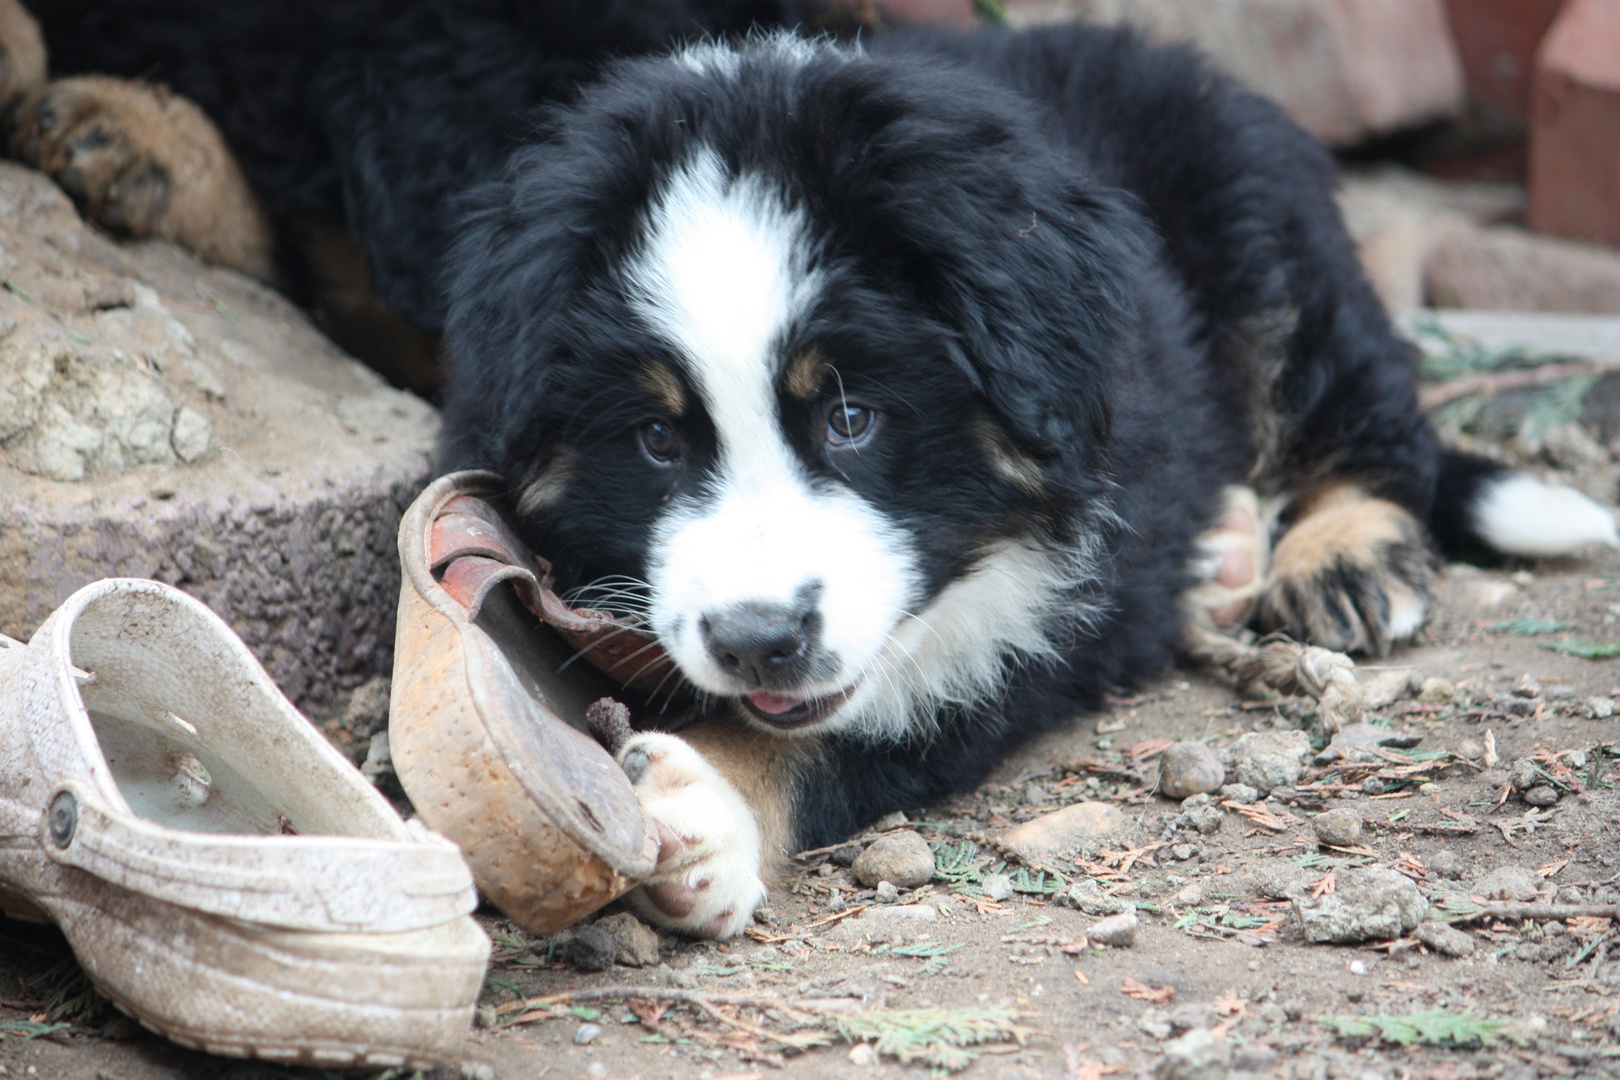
<point>707,880</point>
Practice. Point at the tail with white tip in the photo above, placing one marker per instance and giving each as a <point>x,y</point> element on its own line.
<point>1480,504</point>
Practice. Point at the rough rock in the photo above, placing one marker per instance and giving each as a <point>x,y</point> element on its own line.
<point>1197,1055</point>
<point>887,893</point>
<point>1382,688</point>
<point>1447,864</point>
<point>1190,768</point>
<point>163,419</point>
<point>1507,268</point>
<point>586,1034</point>
<point>1088,896</point>
<point>1339,827</point>
<point>903,858</point>
<point>635,942</point>
<point>1116,931</point>
<point>1056,834</point>
<point>877,925</point>
<point>1242,794</point>
<point>1437,691</point>
<point>1282,881</point>
<point>1598,707</point>
<point>1193,1014</point>
<point>1445,940</point>
<point>589,948</point>
<point>1369,904</point>
<point>1524,774</point>
<point>1345,69</point>
<point>1206,819</point>
<point>1575,112</point>
<point>1268,759</point>
<point>1507,883</point>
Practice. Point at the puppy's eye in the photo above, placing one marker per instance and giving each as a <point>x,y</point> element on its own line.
<point>659,442</point>
<point>850,425</point>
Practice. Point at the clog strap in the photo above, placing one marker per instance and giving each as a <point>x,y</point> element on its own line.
<point>333,883</point>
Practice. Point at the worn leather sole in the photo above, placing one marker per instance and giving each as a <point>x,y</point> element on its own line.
<point>487,729</point>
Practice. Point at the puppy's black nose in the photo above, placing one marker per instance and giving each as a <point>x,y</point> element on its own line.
<point>764,645</point>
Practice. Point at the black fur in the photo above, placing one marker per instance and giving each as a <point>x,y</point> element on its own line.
<point>376,113</point>
<point>1130,266</point>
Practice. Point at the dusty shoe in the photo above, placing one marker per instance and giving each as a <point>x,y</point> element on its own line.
<point>488,731</point>
<point>222,873</point>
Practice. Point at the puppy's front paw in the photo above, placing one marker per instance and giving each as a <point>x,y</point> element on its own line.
<point>144,163</point>
<point>707,881</point>
<point>1354,573</point>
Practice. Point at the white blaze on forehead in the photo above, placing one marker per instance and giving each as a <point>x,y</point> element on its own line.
<point>726,269</point>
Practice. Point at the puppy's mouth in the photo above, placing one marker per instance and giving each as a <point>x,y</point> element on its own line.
<point>787,712</point>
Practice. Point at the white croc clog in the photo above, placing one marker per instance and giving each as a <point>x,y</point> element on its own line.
<point>223,874</point>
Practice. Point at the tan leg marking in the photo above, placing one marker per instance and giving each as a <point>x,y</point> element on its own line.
<point>22,56</point>
<point>1353,573</point>
<point>145,163</point>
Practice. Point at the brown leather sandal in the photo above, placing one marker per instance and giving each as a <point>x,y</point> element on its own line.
<point>488,738</point>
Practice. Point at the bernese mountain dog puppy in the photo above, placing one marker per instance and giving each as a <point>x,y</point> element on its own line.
<point>904,389</point>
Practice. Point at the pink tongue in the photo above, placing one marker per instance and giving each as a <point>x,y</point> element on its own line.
<point>774,704</point>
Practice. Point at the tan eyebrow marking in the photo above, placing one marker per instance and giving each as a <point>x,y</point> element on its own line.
<point>662,384</point>
<point>1007,458</point>
<point>555,472</point>
<point>806,372</point>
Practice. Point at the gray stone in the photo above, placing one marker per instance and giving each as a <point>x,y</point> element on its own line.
<point>1447,864</point>
<point>903,858</point>
<point>1445,940</point>
<point>1370,904</point>
<point>1278,881</point>
<point>1117,931</point>
<point>1541,795</point>
<point>1340,827</point>
<point>1598,707</point>
<point>586,1034</point>
<point>1239,793</point>
<point>1189,768</point>
<point>1207,819</point>
<point>997,886</point>
<point>1194,1014</point>
<point>1268,759</point>
<point>1508,883</point>
<point>1254,1057</point>
<point>1088,896</point>
<point>887,893</point>
<point>635,942</point>
<point>163,419</point>
<point>1523,774</point>
<point>1197,1055</point>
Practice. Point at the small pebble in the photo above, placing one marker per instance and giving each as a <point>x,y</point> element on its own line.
<point>1183,852</point>
<point>1526,687</point>
<point>1429,788</point>
<point>903,858</point>
<point>1447,864</point>
<point>1599,708</point>
<point>1117,931</point>
<point>862,1054</point>
<point>1541,795</point>
<point>1437,691</point>
<point>587,1033</point>
<point>890,821</point>
<point>1242,794</point>
<point>887,893</point>
<point>997,886</point>
<point>485,1016</point>
<point>1357,967</point>
<point>1445,940</point>
<point>1340,827</point>
<point>1190,768</point>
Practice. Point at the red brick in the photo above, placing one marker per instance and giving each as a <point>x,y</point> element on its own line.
<point>1345,69</point>
<point>1497,41</point>
<point>1575,125</point>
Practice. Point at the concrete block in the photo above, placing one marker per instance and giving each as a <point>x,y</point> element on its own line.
<point>163,419</point>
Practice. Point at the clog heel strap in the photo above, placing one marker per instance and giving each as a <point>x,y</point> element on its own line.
<point>290,882</point>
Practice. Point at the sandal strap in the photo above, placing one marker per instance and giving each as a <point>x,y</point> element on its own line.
<point>328,883</point>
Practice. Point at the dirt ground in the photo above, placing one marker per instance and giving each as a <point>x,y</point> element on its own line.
<point>1216,949</point>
